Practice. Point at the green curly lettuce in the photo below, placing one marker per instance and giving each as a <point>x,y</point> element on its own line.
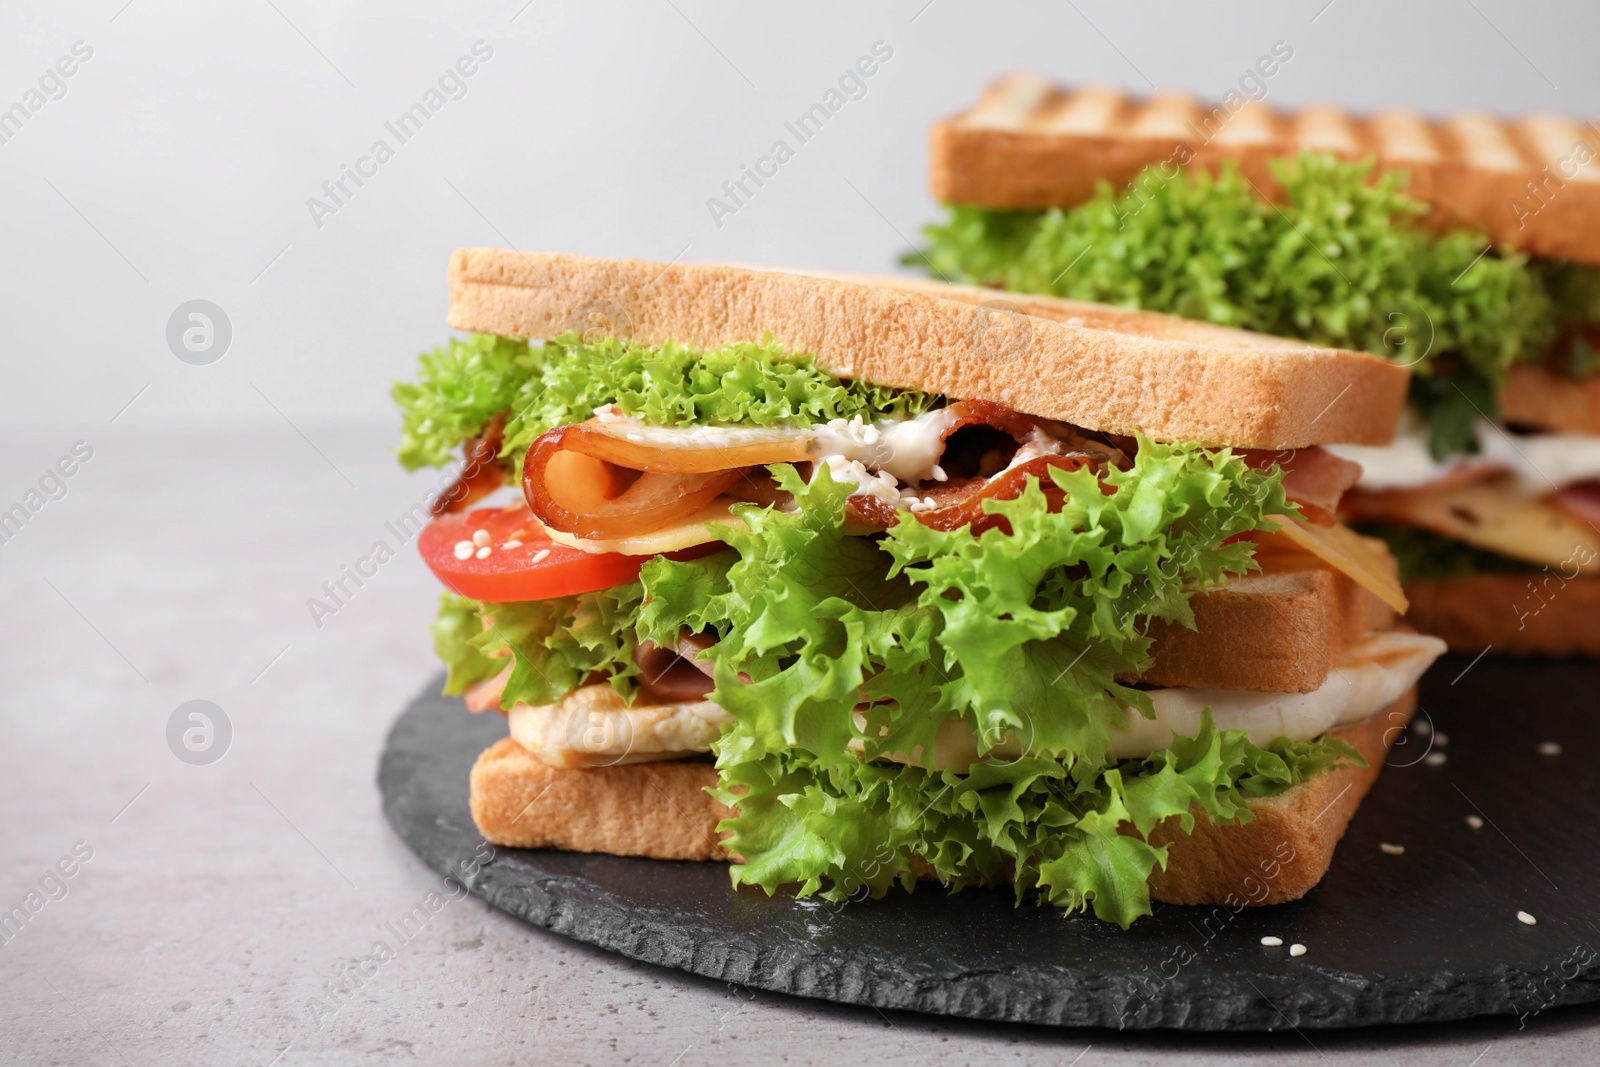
<point>1341,261</point>
<point>458,623</point>
<point>849,828</point>
<point>1016,635</point>
<point>465,383</point>
<point>1019,633</point>
<point>1575,287</point>
<point>553,646</point>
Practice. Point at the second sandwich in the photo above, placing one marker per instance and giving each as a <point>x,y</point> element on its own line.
<point>1467,248</point>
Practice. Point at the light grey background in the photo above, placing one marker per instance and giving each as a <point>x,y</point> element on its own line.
<point>180,561</point>
<point>179,162</point>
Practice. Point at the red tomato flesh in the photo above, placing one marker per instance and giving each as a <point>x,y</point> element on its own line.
<point>535,569</point>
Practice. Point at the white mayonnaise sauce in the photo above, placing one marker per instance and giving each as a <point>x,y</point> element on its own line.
<point>1540,462</point>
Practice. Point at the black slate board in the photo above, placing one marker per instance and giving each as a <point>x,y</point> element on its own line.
<point>1427,936</point>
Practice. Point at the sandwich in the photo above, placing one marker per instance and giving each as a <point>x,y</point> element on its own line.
<point>858,582</point>
<point>1464,248</point>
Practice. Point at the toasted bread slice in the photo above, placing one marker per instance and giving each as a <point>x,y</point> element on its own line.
<point>1535,614</point>
<point>1286,849</point>
<point>1539,397</point>
<point>1532,184</point>
<point>1101,368</point>
<point>658,810</point>
<point>1279,631</point>
<point>662,811</point>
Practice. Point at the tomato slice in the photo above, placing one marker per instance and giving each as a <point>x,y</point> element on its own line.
<point>521,564</point>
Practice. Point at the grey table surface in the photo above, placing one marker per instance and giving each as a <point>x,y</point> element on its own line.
<point>227,913</point>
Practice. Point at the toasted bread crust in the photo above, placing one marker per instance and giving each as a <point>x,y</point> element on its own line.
<point>662,811</point>
<point>1510,614</point>
<point>1287,848</point>
<point>1279,631</point>
<point>1529,184</point>
<point>1538,396</point>
<point>1103,368</point>
<point>658,810</point>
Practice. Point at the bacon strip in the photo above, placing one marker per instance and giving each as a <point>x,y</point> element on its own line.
<point>482,474</point>
<point>1314,478</point>
<point>959,501</point>
<point>575,492</point>
<point>590,481</point>
<point>674,676</point>
<point>958,504</point>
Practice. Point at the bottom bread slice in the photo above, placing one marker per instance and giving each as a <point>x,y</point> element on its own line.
<point>1534,614</point>
<point>662,811</point>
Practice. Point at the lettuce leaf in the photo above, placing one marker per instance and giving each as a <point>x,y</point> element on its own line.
<point>458,622</point>
<point>553,645</point>
<point>463,384</point>
<point>1575,287</point>
<point>845,829</point>
<point>1018,632</point>
<point>1341,261</point>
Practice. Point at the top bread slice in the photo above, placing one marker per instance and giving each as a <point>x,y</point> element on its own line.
<point>1102,368</point>
<point>1532,184</point>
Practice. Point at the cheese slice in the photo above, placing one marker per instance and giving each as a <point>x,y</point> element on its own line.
<point>1495,517</point>
<point>1345,550</point>
<point>697,529</point>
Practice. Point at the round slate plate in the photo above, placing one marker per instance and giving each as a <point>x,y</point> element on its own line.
<point>1429,935</point>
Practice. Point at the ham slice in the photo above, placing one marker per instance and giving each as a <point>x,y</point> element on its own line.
<point>485,696</point>
<point>1314,478</point>
<point>1581,501</point>
<point>674,675</point>
<point>482,473</point>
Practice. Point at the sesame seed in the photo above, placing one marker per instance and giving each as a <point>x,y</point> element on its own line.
<point>939,475</point>
<point>1423,727</point>
<point>513,543</point>
<point>1441,738</point>
<point>1392,850</point>
<point>483,552</point>
<point>480,537</point>
<point>463,549</point>
<point>541,555</point>
<point>1475,821</point>
<point>1297,950</point>
<point>1435,759</point>
<point>1527,920</point>
<point>1549,748</point>
<point>1272,942</point>
<point>871,435</point>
